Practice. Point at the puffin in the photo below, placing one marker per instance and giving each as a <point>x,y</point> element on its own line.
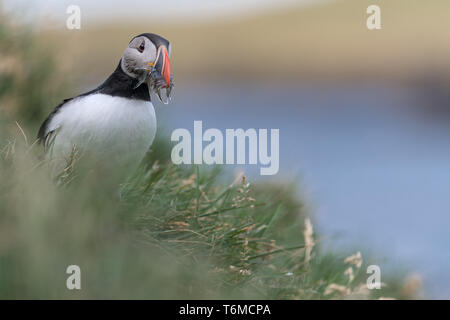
<point>116,122</point>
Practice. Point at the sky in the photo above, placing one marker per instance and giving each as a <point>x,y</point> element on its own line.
<point>167,10</point>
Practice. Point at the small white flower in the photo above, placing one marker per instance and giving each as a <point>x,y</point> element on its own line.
<point>355,259</point>
<point>333,287</point>
<point>349,272</point>
<point>309,240</point>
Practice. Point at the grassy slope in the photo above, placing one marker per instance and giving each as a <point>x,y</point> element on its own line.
<point>172,233</point>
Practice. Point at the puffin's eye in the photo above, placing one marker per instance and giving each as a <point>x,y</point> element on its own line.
<point>141,47</point>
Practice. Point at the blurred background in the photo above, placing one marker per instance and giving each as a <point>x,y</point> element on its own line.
<point>364,116</point>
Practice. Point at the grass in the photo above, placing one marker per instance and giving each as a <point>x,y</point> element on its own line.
<point>168,232</point>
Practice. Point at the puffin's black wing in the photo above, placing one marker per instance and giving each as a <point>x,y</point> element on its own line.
<point>43,135</point>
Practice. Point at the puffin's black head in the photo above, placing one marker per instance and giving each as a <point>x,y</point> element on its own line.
<point>147,51</point>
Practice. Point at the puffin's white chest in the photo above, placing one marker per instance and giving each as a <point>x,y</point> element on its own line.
<point>118,129</point>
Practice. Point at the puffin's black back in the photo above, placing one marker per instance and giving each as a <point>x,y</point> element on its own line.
<point>122,85</point>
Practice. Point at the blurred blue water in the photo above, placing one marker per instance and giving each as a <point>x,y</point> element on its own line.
<point>374,169</point>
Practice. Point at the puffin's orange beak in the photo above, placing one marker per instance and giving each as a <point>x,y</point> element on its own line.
<point>166,67</point>
<point>162,65</point>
